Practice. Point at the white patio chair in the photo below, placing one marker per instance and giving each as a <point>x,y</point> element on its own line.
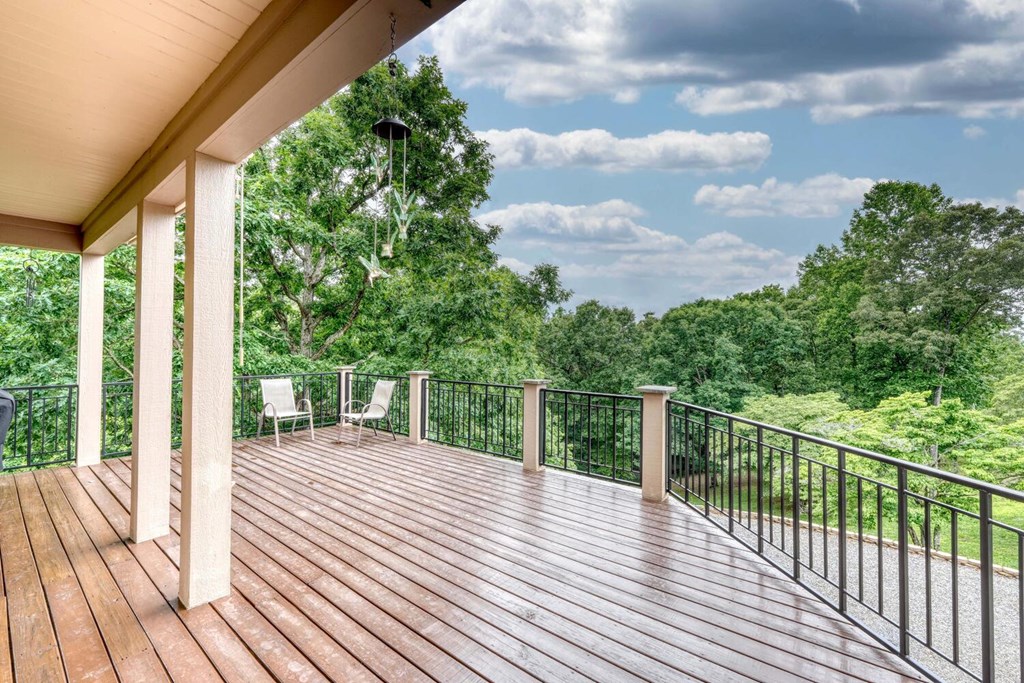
<point>279,404</point>
<point>379,408</point>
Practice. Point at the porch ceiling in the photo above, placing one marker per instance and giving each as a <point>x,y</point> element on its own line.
<point>87,87</point>
<point>104,99</point>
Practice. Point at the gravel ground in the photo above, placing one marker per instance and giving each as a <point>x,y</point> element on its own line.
<point>968,582</point>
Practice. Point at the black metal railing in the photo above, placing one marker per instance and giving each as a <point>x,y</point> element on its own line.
<point>594,434</point>
<point>361,389</point>
<point>914,555</point>
<point>320,388</point>
<point>474,415</point>
<point>44,426</point>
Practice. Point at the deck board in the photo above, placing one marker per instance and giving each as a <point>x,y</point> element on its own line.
<point>405,562</point>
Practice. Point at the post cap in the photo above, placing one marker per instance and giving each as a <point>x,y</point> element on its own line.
<point>656,389</point>
<point>347,367</point>
<point>537,381</point>
<point>419,372</point>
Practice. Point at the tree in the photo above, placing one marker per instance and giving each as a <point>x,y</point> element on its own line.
<point>594,348</point>
<point>313,195</point>
<point>944,280</point>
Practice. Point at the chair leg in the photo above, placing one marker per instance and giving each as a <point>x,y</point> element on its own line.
<point>373,426</point>
<point>359,433</point>
<point>391,427</point>
<point>277,435</point>
<point>312,434</point>
<point>259,425</point>
<point>293,426</point>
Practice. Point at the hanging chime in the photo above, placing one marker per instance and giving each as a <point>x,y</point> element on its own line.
<point>31,271</point>
<point>397,204</point>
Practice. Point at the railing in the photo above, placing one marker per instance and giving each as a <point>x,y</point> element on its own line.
<point>481,417</point>
<point>43,429</point>
<point>594,434</point>
<point>321,388</point>
<point>361,389</point>
<point>914,555</point>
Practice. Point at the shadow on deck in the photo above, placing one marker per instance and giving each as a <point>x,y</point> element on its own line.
<point>403,562</point>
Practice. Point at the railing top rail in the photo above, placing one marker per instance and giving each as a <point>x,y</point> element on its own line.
<point>312,373</point>
<point>591,393</point>
<point>475,384</point>
<point>40,387</point>
<point>950,477</point>
<point>379,374</point>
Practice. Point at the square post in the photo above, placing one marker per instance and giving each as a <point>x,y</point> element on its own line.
<point>89,438</point>
<point>344,388</point>
<point>418,405</point>
<point>533,422</point>
<point>654,432</point>
<point>207,387</point>
<point>151,394</point>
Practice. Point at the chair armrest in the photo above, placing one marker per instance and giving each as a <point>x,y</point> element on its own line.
<point>272,407</point>
<point>371,405</point>
<point>308,403</point>
<point>349,403</point>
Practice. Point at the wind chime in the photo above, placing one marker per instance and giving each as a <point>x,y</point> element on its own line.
<point>397,204</point>
<point>31,272</point>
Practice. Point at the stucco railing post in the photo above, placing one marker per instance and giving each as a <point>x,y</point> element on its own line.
<point>533,421</point>
<point>151,394</point>
<point>207,385</point>
<point>654,470</point>
<point>418,405</point>
<point>344,388</point>
<point>90,360</point>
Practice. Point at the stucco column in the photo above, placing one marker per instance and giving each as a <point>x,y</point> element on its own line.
<point>151,395</point>
<point>654,468</point>
<point>533,420</point>
<point>90,360</point>
<point>344,386</point>
<point>417,404</point>
<point>206,405</point>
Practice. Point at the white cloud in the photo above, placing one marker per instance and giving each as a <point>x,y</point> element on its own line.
<point>670,150</point>
<point>997,202</point>
<point>976,81</point>
<point>606,227</point>
<point>841,59</point>
<point>604,251</point>
<point>822,196</point>
<point>974,132</point>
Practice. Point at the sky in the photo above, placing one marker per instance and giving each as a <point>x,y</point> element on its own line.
<point>659,151</point>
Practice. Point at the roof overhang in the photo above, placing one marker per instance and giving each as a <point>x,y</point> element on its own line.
<point>295,55</point>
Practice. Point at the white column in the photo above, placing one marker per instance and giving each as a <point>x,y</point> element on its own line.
<point>154,329</point>
<point>417,404</point>
<point>654,470</point>
<point>90,359</point>
<point>345,386</point>
<point>206,405</point>
<point>533,419</point>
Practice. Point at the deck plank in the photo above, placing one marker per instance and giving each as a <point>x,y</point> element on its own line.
<point>35,654</point>
<point>408,562</point>
<point>85,657</point>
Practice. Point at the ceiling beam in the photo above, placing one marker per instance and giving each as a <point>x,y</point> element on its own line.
<point>293,57</point>
<point>36,234</point>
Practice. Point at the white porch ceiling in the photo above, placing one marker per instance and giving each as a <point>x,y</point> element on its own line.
<point>101,101</point>
<point>87,86</point>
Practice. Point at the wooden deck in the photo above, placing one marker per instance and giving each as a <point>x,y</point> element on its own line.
<point>404,563</point>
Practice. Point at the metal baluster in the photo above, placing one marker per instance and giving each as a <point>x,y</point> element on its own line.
<point>881,556</point>
<point>903,533</point>
<point>760,490</point>
<point>590,436</point>
<point>824,519</point>
<point>28,432</point>
<point>928,571</point>
<point>707,464</point>
<point>841,478</point>
<point>796,508</point>
<point>810,515</point>
<point>729,477</point>
<point>860,539</point>
<point>955,602</point>
<point>988,637</point>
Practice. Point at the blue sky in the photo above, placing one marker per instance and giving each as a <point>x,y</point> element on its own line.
<point>659,151</point>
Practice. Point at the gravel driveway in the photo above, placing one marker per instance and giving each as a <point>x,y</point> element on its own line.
<point>941,610</point>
